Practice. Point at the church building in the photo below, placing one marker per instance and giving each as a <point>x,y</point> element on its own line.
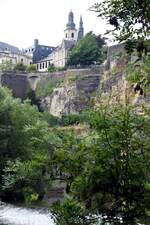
<point>59,56</point>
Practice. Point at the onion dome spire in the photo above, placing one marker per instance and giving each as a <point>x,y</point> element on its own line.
<point>70,24</point>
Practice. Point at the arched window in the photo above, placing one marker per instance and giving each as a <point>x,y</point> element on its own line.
<point>72,35</point>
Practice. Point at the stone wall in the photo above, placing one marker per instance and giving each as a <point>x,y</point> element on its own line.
<point>21,82</point>
<point>17,82</point>
<point>113,54</point>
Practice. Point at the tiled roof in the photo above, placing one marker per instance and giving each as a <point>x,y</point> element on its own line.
<point>7,47</point>
<point>68,44</point>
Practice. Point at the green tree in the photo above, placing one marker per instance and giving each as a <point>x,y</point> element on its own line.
<point>71,212</point>
<point>109,169</point>
<point>130,18</point>
<point>87,51</point>
<point>25,149</point>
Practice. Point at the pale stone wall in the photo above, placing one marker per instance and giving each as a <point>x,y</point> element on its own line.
<point>69,33</point>
<point>14,58</point>
<point>59,57</point>
<point>26,60</point>
<point>7,58</point>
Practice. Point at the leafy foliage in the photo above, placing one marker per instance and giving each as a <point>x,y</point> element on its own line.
<point>139,75</point>
<point>87,51</point>
<point>7,65</point>
<point>130,18</point>
<point>20,67</point>
<point>52,69</point>
<point>72,119</point>
<point>25,146</point>
<point>108,171</point>
<point>71,212</point>
<point>32,68</point>
<point>48,87</point>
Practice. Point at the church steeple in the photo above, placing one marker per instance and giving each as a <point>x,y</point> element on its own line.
<point>81,29</point>
<point>70,24</point>
<point>70,31</point>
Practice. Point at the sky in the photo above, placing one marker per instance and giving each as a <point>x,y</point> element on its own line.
<point>22,21</point>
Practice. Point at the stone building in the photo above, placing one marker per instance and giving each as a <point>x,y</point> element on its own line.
<point>12,55</point>
<point>58,57</point>
<point>37,51</point>
<point>15,58</point>
<point>7,47</point>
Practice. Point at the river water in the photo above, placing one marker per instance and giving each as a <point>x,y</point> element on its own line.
<point>12,215</point>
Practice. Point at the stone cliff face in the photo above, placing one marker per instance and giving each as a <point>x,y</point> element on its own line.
<point>75,93</point>
<point>71,91</point>
<point>73,96</point>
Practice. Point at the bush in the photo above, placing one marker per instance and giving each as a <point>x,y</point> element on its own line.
<point>72,119</point>
<point>20,67</point>
<point>71,212</point>
<point>51,69</point>
<point>32,68</point>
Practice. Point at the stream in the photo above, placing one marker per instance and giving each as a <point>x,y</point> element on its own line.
<point>12,215</point>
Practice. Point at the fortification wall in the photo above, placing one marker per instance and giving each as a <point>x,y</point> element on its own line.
<point>21,82</point>
<point>17,82</point>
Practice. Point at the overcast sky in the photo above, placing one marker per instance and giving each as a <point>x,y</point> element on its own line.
<point>21,21</point>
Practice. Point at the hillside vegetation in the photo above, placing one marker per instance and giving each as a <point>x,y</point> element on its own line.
<point>102,155</point>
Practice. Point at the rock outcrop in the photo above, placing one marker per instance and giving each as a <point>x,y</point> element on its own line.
<point>72,96</point>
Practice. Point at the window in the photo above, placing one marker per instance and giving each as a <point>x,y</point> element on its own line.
<point>72,35</point>
<point>66,35</point>
<point>46,64</point>
<point>21,60</point>
<point>43,65</point>
<point>40,66</point>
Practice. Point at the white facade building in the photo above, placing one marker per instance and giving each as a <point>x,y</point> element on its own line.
<point>59,56</point>
<point>14,58</point>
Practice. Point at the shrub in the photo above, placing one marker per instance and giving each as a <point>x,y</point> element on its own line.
<point>20,67</point>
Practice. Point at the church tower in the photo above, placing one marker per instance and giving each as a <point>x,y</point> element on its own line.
<point>81,29</point>
<point>70,31</point>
